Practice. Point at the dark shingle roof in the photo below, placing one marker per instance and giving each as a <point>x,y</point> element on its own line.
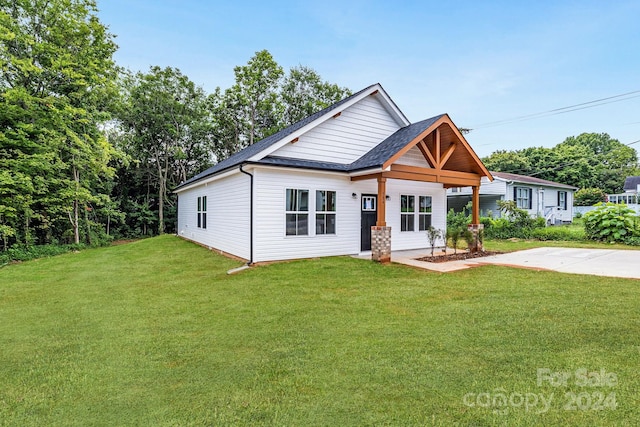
<point>631,183</point>
<point>390,146</point>
<point>530,180</point>
<point>245,154</point>
<point>303,164</point>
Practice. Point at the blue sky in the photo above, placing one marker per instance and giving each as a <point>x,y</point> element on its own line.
<point>480,62</point>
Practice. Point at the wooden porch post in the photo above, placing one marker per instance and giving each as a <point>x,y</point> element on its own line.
<point>475,205</point>
<point>382,202</point>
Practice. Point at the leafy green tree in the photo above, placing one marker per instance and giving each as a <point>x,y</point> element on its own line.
<point>56,88</point>
<point>167,129</point>
<point>507,161</point>
<point>304,93</point>
<point>586,160</point>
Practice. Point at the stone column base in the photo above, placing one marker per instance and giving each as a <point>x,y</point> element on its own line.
<point>381,244</point>
<point>476,230</point>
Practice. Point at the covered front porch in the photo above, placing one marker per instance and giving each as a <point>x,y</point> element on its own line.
<point>431,151</point>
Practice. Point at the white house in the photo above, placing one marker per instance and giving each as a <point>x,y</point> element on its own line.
<point>631,195</point>
<point>320,186</point>
<point>539,197</point>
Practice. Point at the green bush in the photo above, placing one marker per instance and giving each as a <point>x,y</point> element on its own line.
<point>611,222</point>
<point>589,196</point>
<point>558,233</point>
<point>26,253</point>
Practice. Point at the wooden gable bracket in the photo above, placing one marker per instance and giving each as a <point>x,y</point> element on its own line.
<point>426,153</point>
<point>447,154</point>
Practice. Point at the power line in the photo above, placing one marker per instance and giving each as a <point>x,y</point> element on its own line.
<point>589,104</point>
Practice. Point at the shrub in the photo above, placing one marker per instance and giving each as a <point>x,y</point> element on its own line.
<point>26,253</point>
<point>558,233</point>
<point>610,222</point>
<point>589,197</point>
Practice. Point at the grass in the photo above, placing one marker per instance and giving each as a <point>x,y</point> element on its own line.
<point>156,333</point>
<point>512,245</point>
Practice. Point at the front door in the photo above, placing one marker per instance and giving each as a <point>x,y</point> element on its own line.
<point>369,215</point>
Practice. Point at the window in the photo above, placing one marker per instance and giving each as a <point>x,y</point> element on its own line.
<point>368,203</point>
<point>297,216</point>
<point>202,212</point>
<point>407,213</point>
<point>325,212</point>
<point>424,213</point>
<point>562,200</point>
<point>522,196</point>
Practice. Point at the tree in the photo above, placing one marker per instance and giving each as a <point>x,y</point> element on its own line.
<point>304,93</point>
<point>507,161</point>
<point>611,160</point>
<point>261,102</point>
<point>57,84</point>
<point>167,130</point>
<point>586,160</point>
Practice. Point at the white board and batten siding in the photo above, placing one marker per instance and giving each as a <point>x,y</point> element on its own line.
<point>345,138</point>
<point>228,214</point>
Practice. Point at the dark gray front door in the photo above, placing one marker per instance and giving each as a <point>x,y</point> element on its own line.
<point>369,214</point>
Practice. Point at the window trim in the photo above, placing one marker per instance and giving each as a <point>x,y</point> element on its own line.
<point>297,212</point>
<point>411,204</point>
<point>326,212</point>
<point>201,212</point>
<point>422,214</point>
<point>529,197</point>
<point>563,201</point>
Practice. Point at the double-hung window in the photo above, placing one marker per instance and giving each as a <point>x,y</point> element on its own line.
<point>325,212</point>
<point>424,213</point>
<point>562,200</point>
<point>297,212</point>
<point>522,196</point>
<point>202,212</point>
<point>407,212</point>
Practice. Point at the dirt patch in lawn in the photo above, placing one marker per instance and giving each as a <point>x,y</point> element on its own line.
<point>457,257</point>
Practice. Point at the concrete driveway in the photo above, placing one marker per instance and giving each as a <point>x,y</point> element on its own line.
<point>599,262</point>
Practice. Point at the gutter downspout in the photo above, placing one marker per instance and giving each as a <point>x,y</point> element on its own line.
<point>251,216</point>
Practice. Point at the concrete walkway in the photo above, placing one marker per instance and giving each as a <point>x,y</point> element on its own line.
<point>599,262</point>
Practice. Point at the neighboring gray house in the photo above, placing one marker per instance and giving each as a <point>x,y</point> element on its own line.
<point>539,197</point>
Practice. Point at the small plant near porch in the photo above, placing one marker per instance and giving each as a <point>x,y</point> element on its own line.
<point>433,234</point>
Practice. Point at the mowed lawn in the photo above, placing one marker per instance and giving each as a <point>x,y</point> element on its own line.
<point>155,332</point>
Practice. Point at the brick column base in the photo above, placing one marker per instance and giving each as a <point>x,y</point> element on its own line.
<point>381,244</point>
<point>476,231</point>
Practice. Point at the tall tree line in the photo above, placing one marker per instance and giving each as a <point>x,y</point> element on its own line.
<point>589,160</point>
<point>89,152</point>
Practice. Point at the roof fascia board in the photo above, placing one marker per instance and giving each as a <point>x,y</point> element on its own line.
<point>392,108</point>
<point>304,169</point>
<point>474,156</point>
<point>208,179</point>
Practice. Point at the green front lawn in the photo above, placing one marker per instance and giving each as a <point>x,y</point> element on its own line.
<point>156,333</point>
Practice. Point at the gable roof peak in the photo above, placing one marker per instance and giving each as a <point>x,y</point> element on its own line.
<point>268,145</point>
